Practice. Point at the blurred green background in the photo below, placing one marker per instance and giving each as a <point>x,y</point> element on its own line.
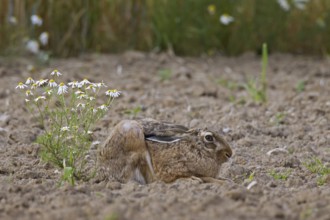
<point>188,27</point>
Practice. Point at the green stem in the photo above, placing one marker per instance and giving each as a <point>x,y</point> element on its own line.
<point>264,71</point>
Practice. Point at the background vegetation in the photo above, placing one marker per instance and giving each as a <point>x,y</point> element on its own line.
<point>188,27</point>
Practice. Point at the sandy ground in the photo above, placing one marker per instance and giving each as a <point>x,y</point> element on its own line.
<point>297,122</point>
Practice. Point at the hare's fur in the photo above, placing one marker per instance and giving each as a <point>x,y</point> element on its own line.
<point>147,150</point>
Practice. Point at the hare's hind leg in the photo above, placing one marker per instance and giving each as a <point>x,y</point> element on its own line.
<point>123,153</point>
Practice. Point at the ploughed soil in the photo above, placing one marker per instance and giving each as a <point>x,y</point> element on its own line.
<point>195,92</point>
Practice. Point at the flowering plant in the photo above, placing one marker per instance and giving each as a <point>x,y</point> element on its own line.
<point>67,113</point>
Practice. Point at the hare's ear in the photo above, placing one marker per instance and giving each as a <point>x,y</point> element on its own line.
<point>193,131</point>
<point>163,139</point>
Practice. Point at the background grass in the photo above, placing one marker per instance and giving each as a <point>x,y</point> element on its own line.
<point>184,26</point>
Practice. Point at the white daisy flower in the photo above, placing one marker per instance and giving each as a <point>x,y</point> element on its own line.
<point>74,84</point>
<point>39,98</point>
<point>34,86</point>
<point>91,98</point>
<point>21,86</point>
<point>29,81</point>
<point>55,73</point>
<point>91,87</point>
<point>103,107</point>
<point>84,82</point>
<point>27,100</point>
<point>36,20</point>
<point>99,85</point>
<point>28,93</point>
<point>65,128</point>
<point>49,92</point>
<point>32,46</point>
<point>89,132</point>
<point>62,88</point>
<point>82,96</point>
<point>43,38</point>
<point>41,82</point>
<point>114,93</point>
<point>52,83</point>
<point>226,19</point>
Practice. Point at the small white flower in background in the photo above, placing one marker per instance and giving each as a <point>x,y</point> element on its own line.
<point>43,38</point>
<point>284,4</point>
<point>94,110</point>
<point>29,81</point>
<point>32,46</point>
<point>27,100</point>
<point>65,128</point>
<point>12,20</point>
<point>300,4</point>
<point>74,84</point>
<point>89,132</point>
<point>91,98</point>
<point>85,82</point>
<point>114,93</point>
<point>36,20</point>
<point>103,107</point>
<point>41,82</point>
<point>39,98</point>
<point>62,88</point>
<point>55,73</point>
<point>226,19</point>
<point>52,83</point>
<point>28,93</point>
<point>21,86</point>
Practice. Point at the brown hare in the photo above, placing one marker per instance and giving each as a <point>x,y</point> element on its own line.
<point>147,150</point>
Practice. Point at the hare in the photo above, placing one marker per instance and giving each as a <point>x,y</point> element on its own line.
<point>147,150</point>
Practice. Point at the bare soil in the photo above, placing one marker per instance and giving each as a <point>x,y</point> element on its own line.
<point>297,122</point>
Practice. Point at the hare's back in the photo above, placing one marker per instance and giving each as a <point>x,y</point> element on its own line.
<point>152,127</point>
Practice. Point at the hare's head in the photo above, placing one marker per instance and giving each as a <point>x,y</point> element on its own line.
<point>215,145</point>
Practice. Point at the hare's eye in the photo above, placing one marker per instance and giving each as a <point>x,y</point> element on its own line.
<point>209,138</point>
